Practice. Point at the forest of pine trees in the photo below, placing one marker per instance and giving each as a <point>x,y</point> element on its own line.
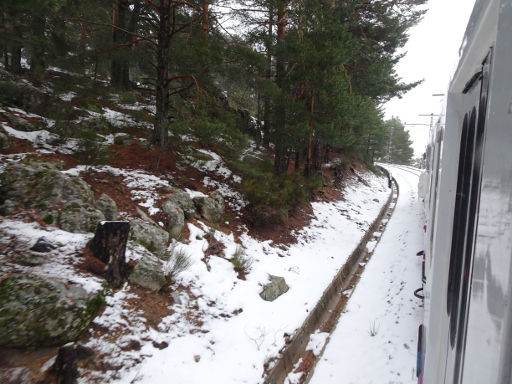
<point>313,73</point>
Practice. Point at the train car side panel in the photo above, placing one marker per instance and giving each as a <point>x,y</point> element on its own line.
<point>488,357</point>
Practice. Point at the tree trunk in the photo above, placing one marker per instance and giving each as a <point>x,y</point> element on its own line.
<point>308,167</point>
<point>66,368</point>
<point>109,245</point>
<point>16,59</point>
<point>317,159</point>
<point>37,46</point>
<point>15,50</point>
<point>204,19</point>
<point>266,100</point>
<point>160,133</point>
<point>281,147</point>
<point>120,65</point>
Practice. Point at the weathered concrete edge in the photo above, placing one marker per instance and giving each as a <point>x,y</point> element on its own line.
<point>299,341</point>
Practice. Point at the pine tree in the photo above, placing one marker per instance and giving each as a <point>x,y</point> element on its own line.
<point>399,150</point>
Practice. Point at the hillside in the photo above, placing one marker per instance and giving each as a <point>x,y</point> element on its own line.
<point>193,303</point>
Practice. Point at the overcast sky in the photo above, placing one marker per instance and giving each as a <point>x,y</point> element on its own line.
<point>432,55</point>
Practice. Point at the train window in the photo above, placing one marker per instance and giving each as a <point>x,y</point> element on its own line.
<point>460,223</point>
<point>435,172</point>
<point>457,216</point>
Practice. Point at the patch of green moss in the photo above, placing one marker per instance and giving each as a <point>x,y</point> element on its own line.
<point>149,246</point>
<point>49,219</point>
<point>29,261</point>
<point>42,311</point>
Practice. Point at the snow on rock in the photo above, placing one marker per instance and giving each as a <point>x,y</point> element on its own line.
<point>143,186</point>
<point>59,262</point>
<point>39,138</point>
<point>68,96</point>
<point>216,165</point>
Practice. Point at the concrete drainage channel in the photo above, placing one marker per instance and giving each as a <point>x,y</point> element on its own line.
<point>325,315</point>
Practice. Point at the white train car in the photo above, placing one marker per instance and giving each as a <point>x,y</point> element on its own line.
<point>467,332</point>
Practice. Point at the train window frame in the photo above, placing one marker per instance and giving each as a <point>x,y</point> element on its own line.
<point>460,222</point>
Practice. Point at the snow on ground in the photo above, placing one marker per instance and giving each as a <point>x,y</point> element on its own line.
<point>61,262</point>
<point>234,332</point>
<point>216,165</point>
<point>375,339</point>
<point>143,186</point>
<point>219,330</point>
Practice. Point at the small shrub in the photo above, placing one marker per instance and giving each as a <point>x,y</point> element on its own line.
<point>241,262</point>
<point>122,139</point>
<point>374,328</point>
<point>91,150</point>
<point>270,197</point>
<point>128,98</point>
<point>178,262</point>
<point>10,94</point>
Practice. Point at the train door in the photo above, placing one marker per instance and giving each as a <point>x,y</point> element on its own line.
<point>465,218</point>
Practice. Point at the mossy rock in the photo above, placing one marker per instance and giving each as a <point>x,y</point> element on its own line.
<point>5,141</point>
<point>35,312</point>
<point>149,235</point>
<point>43,186</point>
<point>123,139</point>
<point>148,273</point>
<point>30,260</point>
<point>211,208</point>
<point>78,217</point>
<point>183,200</point>
<point>175,218</point>
<point>108,206</point>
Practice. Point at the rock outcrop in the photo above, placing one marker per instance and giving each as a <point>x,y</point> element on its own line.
<point>108,207</point>
<point>211,208</point>
<point>175,218</point>
<point>58,197</point>
<point>5,141</point>
<point>149,273</point>
<point>36,312</point>
<point>275,288</point>
<point>25,95</point>
<point>151,236</point>
<point>183,200</point>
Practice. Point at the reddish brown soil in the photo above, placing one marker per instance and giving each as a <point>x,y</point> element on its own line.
<point>283,233</point>
<point>308,362</point>
<point>19,146</point>
<point>113,186</point>
<point>136,156</point>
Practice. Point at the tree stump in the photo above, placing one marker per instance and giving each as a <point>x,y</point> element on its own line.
<point>109,245</point>
<point>65,367</point>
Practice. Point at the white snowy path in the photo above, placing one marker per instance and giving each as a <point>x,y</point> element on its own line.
<point>375,339</point>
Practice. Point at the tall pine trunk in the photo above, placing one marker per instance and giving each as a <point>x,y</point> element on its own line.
<point>160,132</point>
<point>37,46</point>
<point>120,65</point>
<point>317,159</point>
<point>15,47</point>
<point>308,167</point>
<point>281,148</point>
<point>204,19</point>
<point>266,99</point>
